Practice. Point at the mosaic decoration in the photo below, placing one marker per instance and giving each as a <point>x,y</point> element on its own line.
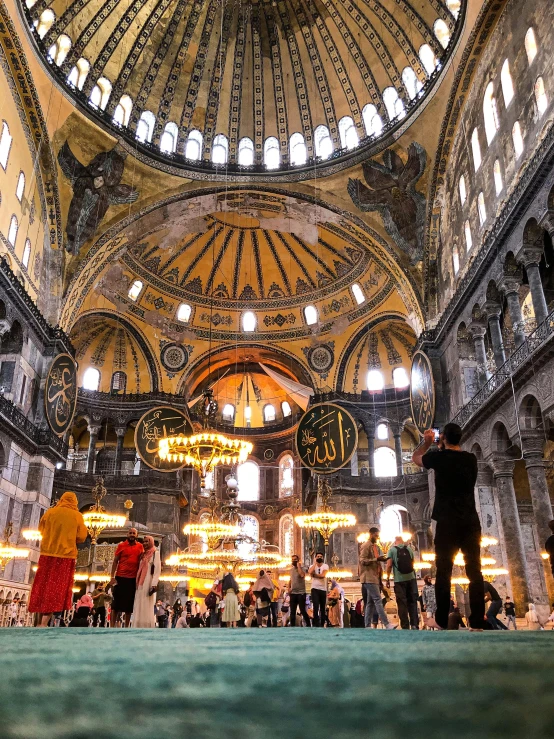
<point>269,454</point>
<point>154,424</point>
<point>159,303</point>
<point>174,357</point>
<point>216,319</point>
<point>320,358</point>
<point>373,358</point>
<point>422,392</point>
<point>336,305</point>
<point>326,438</point>
<point>280,320</point>
<point>60,393</point>
<point>393,356</point>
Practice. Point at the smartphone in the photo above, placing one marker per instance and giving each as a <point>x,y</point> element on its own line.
<point>437,435</point>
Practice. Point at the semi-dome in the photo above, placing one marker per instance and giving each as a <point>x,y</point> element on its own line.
<point>255,87</point>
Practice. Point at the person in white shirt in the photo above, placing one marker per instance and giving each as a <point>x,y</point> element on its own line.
<point>318,572</point>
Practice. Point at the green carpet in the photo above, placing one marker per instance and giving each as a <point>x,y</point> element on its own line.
<point>258,683</point>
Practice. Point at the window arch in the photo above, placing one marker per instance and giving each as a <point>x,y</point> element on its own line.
<point>45,22</point>
<point>220,149</point>
<point>375,380</point>
<point>481,208</point>
<point>20,189</point>
<point>78,74</point>
<point>286,409</point>
<point>462,189</point>
<point>26,253</point>
<point>490,113</point>
<point>358,293</point>
<point>91,379</point>
<point>442,33</point>
<point>58,51</point>
<point>412,84</point>
<point>184,312</point>
<point>531,46</point>
<point>134,290</point>
<point>428,58</point>
<point>272,155</point>
<point>382,431</point>
<point>310,315</point>
<point>384,462</point>
<point>393,104</point>
<point>372,120</point>
<point>145,126</point>
<point>228,412</point>
<point>122,113</point>
<point>498,184</point>
<point>286,535</point>
<point>393,521</point>
<point>101,93</point>
<point>400,378</point>
<point>467,232</point>
<point>168,141</point>
<point>298,153</point>
<point>455,260</point>
<point>14,228</point>
<point>248,478</point>
<point>323,142</point>
<point>269,413</point>
<point>476,149</point>
<point>246,152</point>
<point>347,133</point>
<point>5,145</point>
<point>119,382</point>
<point>540,96</point>
<point>249,321</point>
<point>507,83</point>
<point>251,527</point>
<point>193,147</point>
<point>517,138</point>
<point>454,7</point>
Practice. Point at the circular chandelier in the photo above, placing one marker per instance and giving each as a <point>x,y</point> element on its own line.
<point>325,520</point>
<point>31,535</point>
<point>7,552</point>
<point>97,518</point>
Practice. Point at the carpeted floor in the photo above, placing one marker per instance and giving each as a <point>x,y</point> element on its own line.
<point>258,683</point>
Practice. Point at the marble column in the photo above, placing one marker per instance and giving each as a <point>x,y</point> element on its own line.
<point>531,257</point>
<point>503,471</point>
<point>478,332</point>
<point>493,311</point>
<point>370,432</point>
<point>91,455</point>
<point>120,434</point>
<point>398,451</point>
<point>510,286</point>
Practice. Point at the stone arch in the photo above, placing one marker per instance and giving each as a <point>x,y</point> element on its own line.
<point>493,293</point>
<point>533,234</point>
<point>500,438</point>
<point>12,342</point>
<point>463,341</point>
<point>476,449</point>
<point>530,413</point>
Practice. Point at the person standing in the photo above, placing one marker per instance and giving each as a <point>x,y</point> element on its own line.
<point>510,612</point>
<point>532,619</point>
<point>285,606</point>
<point>491,595</point>
<point>230,590</point>
<point>149,571</point>
<point>274,605</point>
<point>318,572</point>
<point>428,600</point>
<point>13,612</point>
<point>160,612</point>
<point>370,568</point>
<point>458,525</point>
<point>99,599</point>
<point>400,560</point>
<point>62,528</point>
<point>298,591</point>
<point>177,611</point>
<point>124,577</point>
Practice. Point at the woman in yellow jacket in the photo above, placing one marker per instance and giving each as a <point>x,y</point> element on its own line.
<point>62,528</point>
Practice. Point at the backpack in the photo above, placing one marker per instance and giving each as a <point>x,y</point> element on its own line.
<point>211,600</point>
<point>247,599</point>
<point>404,561</point>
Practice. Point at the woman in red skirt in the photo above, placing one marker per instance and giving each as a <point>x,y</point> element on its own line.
<point>62,528</point>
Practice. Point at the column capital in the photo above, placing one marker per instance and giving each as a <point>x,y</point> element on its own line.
<point>510,284</point>
<point>530,255</point>
<point>533,446</point>
<point>492,309</point>
<point>120,431</point>
<point>502,465</point>
<point>547,221</point>
<point>94,428</point>
<point>477,329</point>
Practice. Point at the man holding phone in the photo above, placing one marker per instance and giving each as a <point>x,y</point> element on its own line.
<point>370,559</point>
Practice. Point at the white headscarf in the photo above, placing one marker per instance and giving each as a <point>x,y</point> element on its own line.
<point>532,613</point>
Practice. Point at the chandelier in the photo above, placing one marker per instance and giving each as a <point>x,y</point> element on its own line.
<point>212,531</point>
<point>325,520</point>
<point>97,518</point>
<point>7,552</point>
<point>31,535</point>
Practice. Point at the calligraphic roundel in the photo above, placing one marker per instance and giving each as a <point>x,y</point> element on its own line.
<point>326,438</point>
<point>422,392</point>
<point>60,393</point>
<point>156,423</point>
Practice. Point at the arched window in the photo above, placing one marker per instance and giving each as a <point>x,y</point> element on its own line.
<point>220,149</point>
<point>382,431</point>
<point>20,189</point>
<point>540,96</point>
<point>310,314</point>
<point>467,232</point>
<point>168,141</point>
<point>246,152</point>
<point>323,142</point>
<point>507,83</point>
<point>400,378</point>
<point>78,74</point>
<point>428,59</point>
<point>393,104</point>
<point>517,138</point>
<point>101,93</point>
<point>119,382</point>
<point>358,294</point>
<point>58,51</point>
<point>498,184</point>
<point>286,535</point>
<point>530,46</point>
<point>375,381</point>
<point>348,134</point>
<point>145,126</point>
<point>5,145</point>
<point>250,526</point>
<point>372,120</point>
<point>490,113</point>
<point>183,313</point>
<point>269,413</point>
<point>481,208</point>
<point>12,233</point>
<point>297,150</point>
<point>123,110</point>
<point>45,22</point>
<point>249,321</point>
<point>384,461</point>
<point>193,148</point>
<point>462,189</point>
<point>248,478</point>
<point>248,416</point>
<point>286,409</point>
<point>454,7</point>
<point>228,412</point>
<point>455,260</point>
<point>442,33</point>
<point>476,149</point>
<point>91,379</point>
<point>134,290</point>
<point>26,253</point>
<point>272,156</point>
<point>411,83</point>
<point>393,522</point>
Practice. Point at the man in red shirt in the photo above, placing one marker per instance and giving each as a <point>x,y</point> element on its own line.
<point>124,577</point>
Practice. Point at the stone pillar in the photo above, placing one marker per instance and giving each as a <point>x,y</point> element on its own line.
<point>503,470</point>
<point>478,332</point>
<point>510,285</point>
<point>493,311</point>
<point>531,257</point>
<point>370,432</point>
<point>398,451</point>
<point>120,433</point>
<point>91,456</point>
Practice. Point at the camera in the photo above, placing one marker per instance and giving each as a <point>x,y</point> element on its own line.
<point>437,435</point>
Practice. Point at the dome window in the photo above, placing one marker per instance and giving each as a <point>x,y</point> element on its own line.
<point>20,189</point>
<point>375,381</point>
<point>476,149</point>
<point>45,22</point>
<point>78,74</point>
<point>517,138</point>
<point>26,253</point>
<point>455,260</point>
<point>530,46</point>
<point>286,409</point>
<point>442,33</point>
<point>540,96</point>
<point>269,413</point>
<point>310,314</point>
<point>183,313</point>
<point>168,142</point>
<point>481,208</point>
<point>246,152</point>
<point>358,294</point>
<point>393,104</point>
<point>134,290</point>
<point>220,149</point>
<point>297,150</point>
<point>454,7</point>
<point>122,113</point>
<point>5,145</point>
<point>145,127</point>
<point>469,239</point>
<point>411,83</point>
<point>119,382</point>
<point>14,228</point>
<point>272,157</point>
<point>428,59</point>
<point>193,148</point>
<point>400,378</point>
<point>462,190</point>
<point>372,120</point>
<point>382,432</point>
<point>498,184</point>
<point>248,321</point>
<point>228,412</point>
<point>348,134</point>
<point>490,113</point>
<point>58,51</point>
<point>507,83</point>
<point>91,379</point>
<point>323,142</point>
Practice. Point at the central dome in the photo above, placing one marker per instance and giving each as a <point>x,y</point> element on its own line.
<point>250,87</point>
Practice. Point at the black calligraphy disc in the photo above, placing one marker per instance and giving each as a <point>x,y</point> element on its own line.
<point>159,422</point>
<point>60,393</point>
<point>422,392</point>
<point>326,438</point>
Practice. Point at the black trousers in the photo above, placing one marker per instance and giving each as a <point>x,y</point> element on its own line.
<point>99,614</point>
<point>319,601</point>
<point>406,601</point>
<point>298,600</point>
<point>449,538</point>
<point>273,611</point>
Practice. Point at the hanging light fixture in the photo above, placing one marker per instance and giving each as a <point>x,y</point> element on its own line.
<point>31,535</point>
<point>325,520</point>
<point>97,518</point>
<point>7,551</point>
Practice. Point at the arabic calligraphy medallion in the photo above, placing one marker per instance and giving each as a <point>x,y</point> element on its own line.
<point>326,438</point>
<point>60,393</point>
<point>154,424</point>
<point>422,392</point>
